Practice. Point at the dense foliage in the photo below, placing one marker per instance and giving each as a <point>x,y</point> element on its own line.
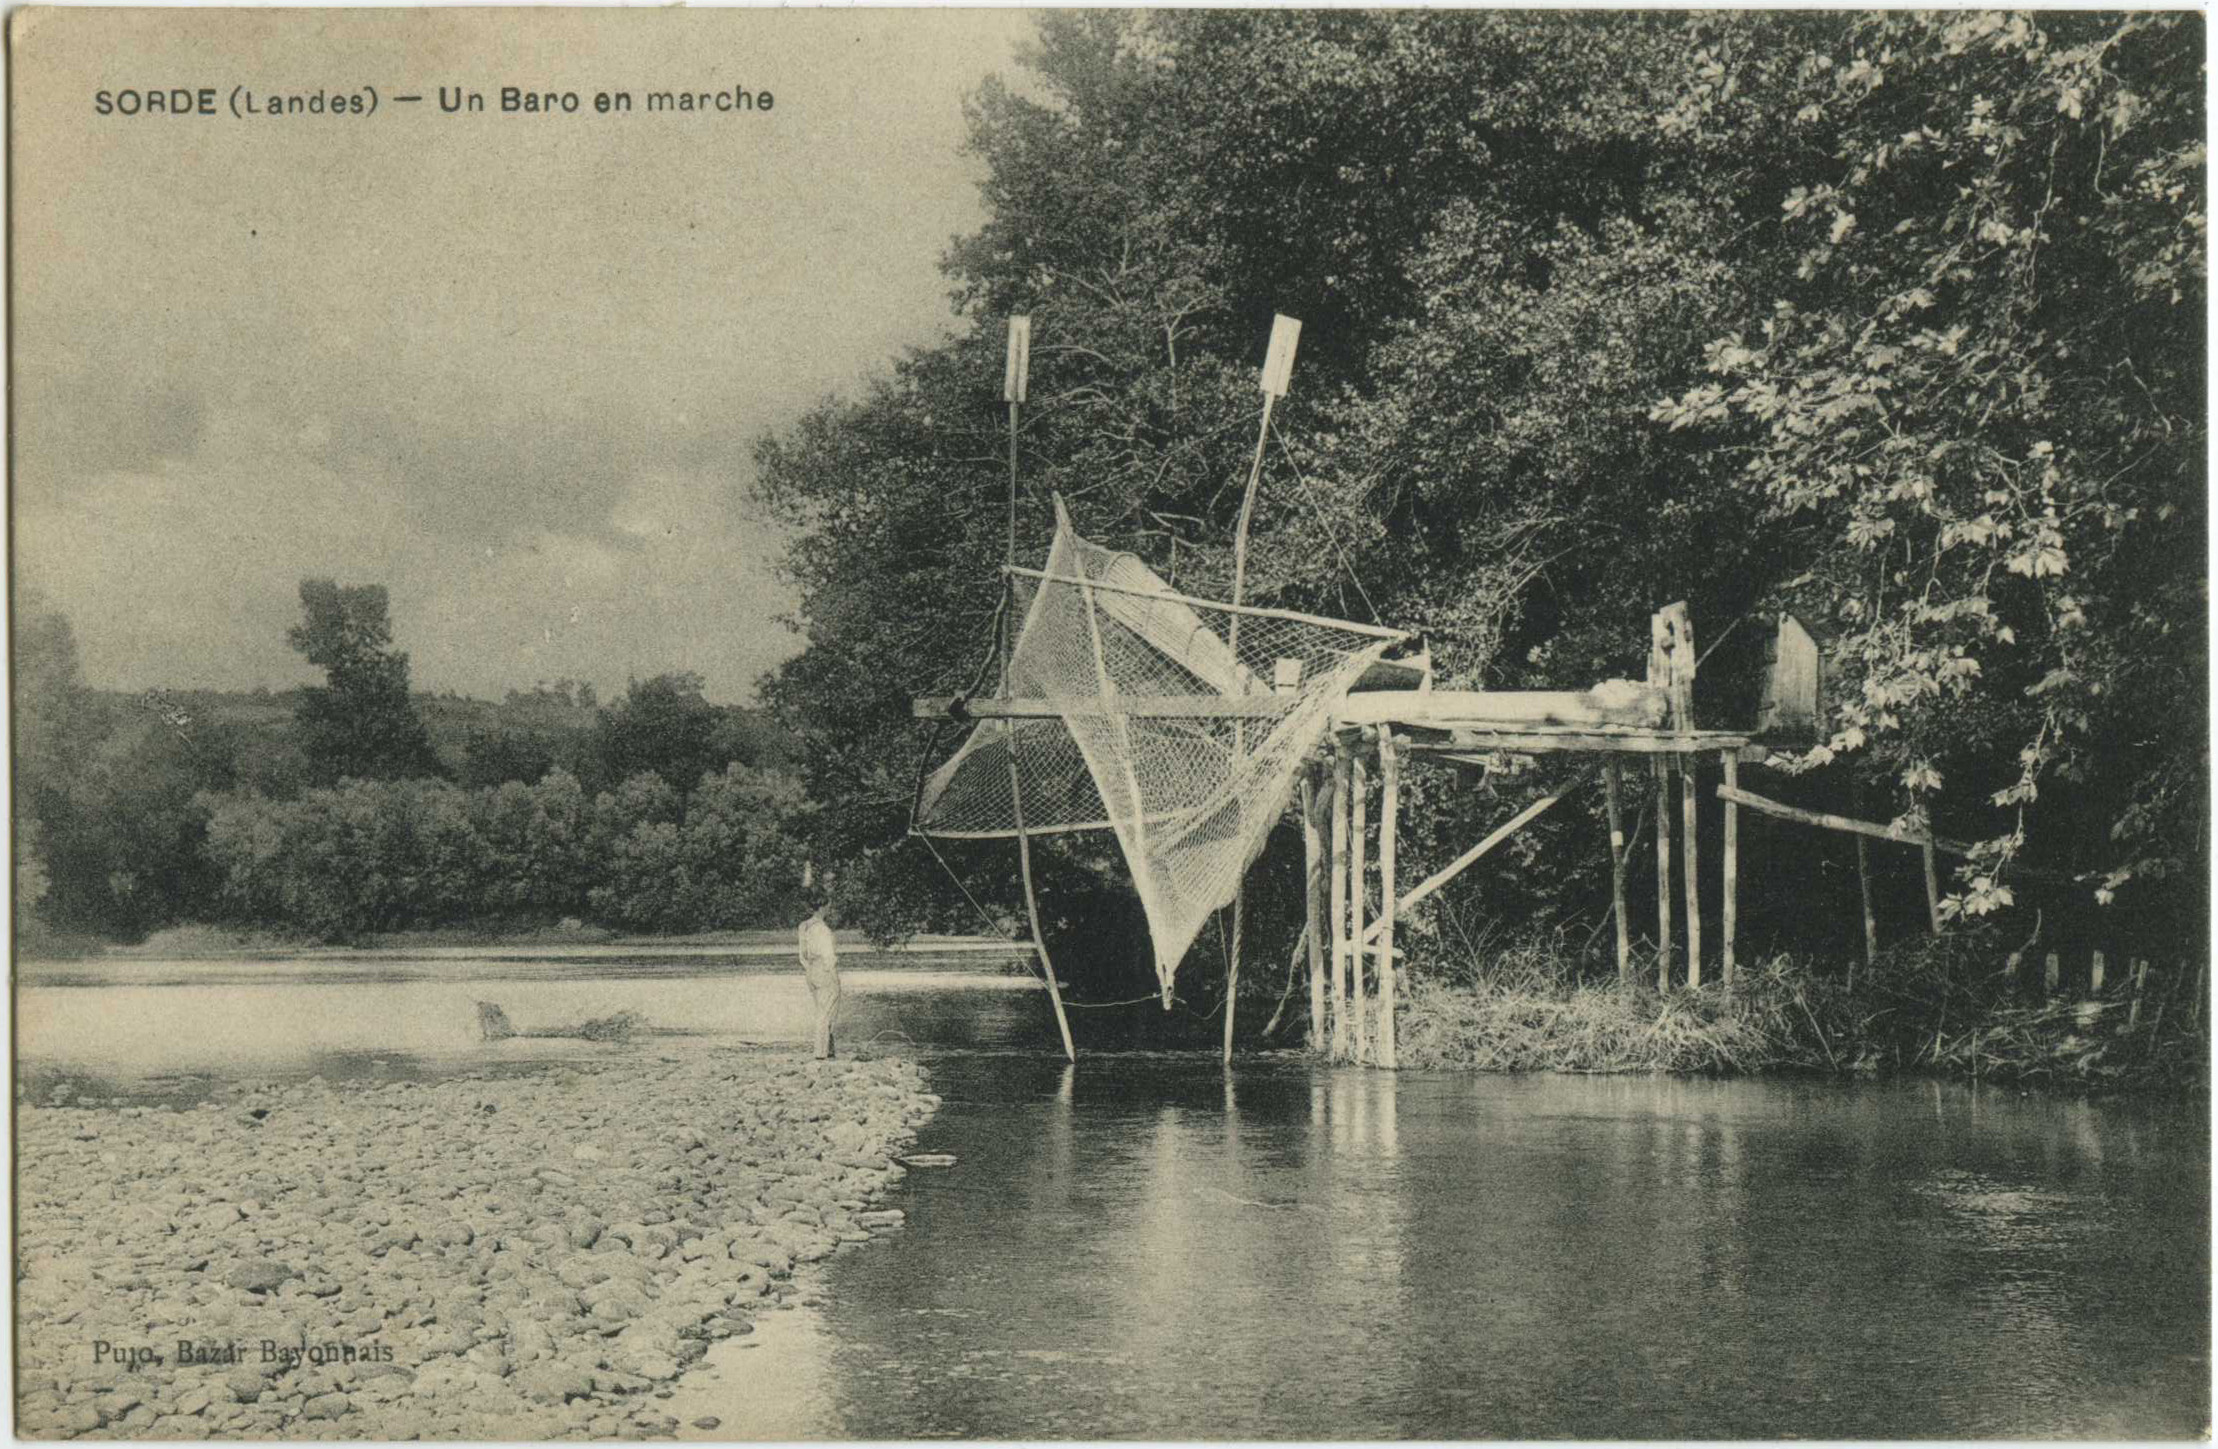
<point>657,812</point>
<point>1894,321</point>
<point>373,856</point>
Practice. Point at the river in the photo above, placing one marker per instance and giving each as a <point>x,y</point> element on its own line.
<point>1146,1246</point>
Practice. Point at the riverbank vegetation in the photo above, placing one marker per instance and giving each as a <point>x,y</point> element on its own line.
<point>1942,1007</point>
<point>1893,322</point>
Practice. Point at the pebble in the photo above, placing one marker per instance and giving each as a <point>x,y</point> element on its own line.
<point>431,1276</point>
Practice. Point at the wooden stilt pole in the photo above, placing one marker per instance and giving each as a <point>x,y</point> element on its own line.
<point>1863,887</point>
<point>1232,967</point>
<point>2140,984</point>
<point>1032,912</point>
<point>1313,870</point>
<point>1359,1003</point>
<point>1663,873</point>
<point>1614,787</point>
<point>1732,882</point>
<point>1390,796</point>
<point>1340,942</point>
<point>1013,387</point>
<point>1274,387</point>
<point>2095,975</point>
<point>1932,890</point>
<point>1688,775</point>
<point>2052,973</point>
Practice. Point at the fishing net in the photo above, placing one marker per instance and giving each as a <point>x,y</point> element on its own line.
<point>1178,723</point>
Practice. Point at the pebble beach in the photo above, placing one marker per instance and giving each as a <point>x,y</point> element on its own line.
<point>536,1255</point>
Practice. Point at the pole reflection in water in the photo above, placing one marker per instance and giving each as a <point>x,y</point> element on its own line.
<point>1148,1248</point>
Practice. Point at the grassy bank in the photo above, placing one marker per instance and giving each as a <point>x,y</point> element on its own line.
<point>1939,1008</point>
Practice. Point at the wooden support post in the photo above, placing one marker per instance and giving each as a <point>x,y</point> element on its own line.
<point>2095,975</point>
<point>1613,785</point>
<point>1313,906</point>
<point>1340,941</point>
<point>1732,881</point>
<point>1689,772</point>
<point>1032,906</point>
<point>2140,984</point>
<point>1863,889</point>
<point>2053,973</point>
<point>1463,862</point>
<point>1232,964</point>
<point>1359,1002</point>
<point>1932,889</point>
<point>1663,873</point>
<point>1390,796</point>
<point>2195,998</point>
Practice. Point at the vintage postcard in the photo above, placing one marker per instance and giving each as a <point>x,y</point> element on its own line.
<point>844,724</point>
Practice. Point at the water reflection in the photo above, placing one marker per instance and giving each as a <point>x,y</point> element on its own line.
<point>1151,1246</point>
<point>1144,1248</point>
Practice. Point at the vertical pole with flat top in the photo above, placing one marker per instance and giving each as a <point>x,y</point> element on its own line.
<point>1012,392</point>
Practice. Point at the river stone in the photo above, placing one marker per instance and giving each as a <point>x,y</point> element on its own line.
<point>258,1275</point>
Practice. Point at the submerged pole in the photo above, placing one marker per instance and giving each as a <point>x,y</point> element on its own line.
<point>1613,788</point>
<point>1390,796</point>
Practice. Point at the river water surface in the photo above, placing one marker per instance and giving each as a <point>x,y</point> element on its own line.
<point>1148,1246</point>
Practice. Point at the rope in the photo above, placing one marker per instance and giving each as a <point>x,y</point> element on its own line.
<point>1133,1001</point>
<point>932,742</point>
<point>1330,537</point>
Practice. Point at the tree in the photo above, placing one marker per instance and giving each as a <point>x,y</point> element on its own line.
<point>1973,403</point>
<point>1893,321</point>
<point>662,726</point>
<point>361,722</point>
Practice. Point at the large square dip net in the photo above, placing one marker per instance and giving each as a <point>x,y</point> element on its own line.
<point>1178,723</point>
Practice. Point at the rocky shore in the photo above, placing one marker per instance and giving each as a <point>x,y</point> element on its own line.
<point>530,1256</point>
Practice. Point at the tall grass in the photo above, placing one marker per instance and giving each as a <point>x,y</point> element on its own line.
<point>1940,1006</point>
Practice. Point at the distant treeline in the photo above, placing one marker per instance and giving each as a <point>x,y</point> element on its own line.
<point>383,855</point>
<point>358,806</point>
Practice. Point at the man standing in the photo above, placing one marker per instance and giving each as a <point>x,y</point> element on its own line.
<point>820,965</point>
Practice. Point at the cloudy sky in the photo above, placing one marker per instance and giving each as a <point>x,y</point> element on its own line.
<point>512,367</point>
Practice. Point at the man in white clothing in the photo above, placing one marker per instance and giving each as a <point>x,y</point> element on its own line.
<point>820,965</point>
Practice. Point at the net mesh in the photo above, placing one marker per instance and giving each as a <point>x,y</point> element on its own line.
<point>1176,723</point>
